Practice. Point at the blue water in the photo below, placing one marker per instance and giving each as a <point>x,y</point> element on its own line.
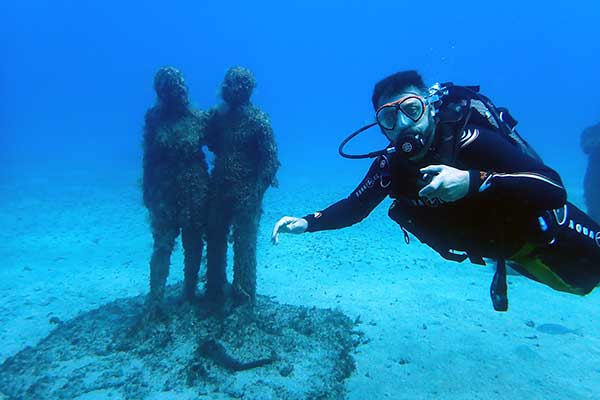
<point>76,76</point>
<point>76,80</point>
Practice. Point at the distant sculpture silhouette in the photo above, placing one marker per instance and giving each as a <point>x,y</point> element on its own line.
<point>590,143</point>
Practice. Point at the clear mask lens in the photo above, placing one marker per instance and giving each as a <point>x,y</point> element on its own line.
<point>387,117</point>
<point>411,110</point>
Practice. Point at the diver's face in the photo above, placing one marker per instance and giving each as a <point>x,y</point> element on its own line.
<point>406,113</point>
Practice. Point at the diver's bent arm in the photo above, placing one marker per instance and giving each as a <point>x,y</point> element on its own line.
<point>506,170</point>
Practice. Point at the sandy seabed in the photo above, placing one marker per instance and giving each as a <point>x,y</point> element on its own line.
<point>73,243</point>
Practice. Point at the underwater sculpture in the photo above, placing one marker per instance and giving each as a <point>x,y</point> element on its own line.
<point>241,137</point>
<point>590,143</point>
<point>175,181</point>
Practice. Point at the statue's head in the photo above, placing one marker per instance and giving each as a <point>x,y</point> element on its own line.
<point>237,86</point>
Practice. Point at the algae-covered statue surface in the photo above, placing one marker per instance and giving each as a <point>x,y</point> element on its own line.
<point>175,181</point>
<point>246,161</point>
<point>590,143</point>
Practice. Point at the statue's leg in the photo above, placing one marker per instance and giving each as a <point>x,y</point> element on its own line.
<point>219,220</point>
<point>193,246</point>
<point>164,235</point>
<point>244,266</point>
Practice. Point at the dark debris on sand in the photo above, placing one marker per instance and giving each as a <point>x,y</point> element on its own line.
<point>269,351</point>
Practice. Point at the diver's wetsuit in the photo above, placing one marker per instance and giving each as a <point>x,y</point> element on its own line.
<point>498,218</point>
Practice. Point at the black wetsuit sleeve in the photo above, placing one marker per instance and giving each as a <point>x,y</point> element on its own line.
<point>502,168</point>
<point>354,208</point>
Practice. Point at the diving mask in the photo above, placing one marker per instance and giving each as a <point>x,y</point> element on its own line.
<point>403,113</point>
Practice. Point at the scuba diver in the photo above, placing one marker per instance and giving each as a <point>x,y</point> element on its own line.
<point>175,182</point>
<point>590,144</point>
<point>465,183</point>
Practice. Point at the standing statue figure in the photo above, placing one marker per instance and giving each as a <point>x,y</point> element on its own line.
<point>175,181</point>
<point>590,143</point>
<point>241,138</point>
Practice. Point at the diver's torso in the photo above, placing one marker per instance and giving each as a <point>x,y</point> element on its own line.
<point>481,223</point>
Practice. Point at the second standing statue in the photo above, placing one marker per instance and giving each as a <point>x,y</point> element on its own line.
<point>241,137</point>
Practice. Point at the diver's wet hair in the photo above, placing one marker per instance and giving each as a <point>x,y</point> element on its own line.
<point>396,83</point>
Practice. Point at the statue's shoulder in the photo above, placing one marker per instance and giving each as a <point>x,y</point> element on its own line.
<point>199,117</point>
<point>258,118</point>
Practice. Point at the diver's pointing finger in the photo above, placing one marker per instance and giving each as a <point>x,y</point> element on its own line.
<point>432,169</point>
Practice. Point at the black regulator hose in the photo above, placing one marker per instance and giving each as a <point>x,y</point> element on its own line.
<point>373,154</point>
